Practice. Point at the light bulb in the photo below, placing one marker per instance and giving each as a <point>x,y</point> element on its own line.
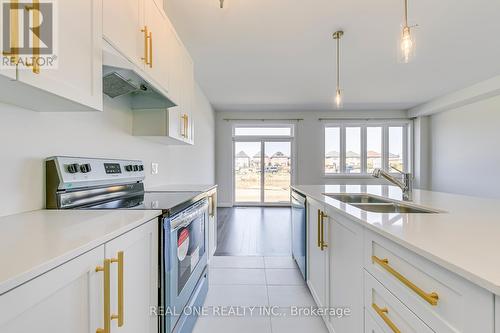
<point>407,45</point>
<point>338,99</point>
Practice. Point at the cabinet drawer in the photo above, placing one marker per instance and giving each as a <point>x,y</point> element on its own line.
<point>443,300</point>
<point>370,325</point>
<point>388,312</point>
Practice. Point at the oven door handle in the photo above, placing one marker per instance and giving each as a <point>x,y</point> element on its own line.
<point>183,225</point>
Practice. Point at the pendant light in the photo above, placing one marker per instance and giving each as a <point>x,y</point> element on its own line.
<point>338,93</point>
<point>407,43</point>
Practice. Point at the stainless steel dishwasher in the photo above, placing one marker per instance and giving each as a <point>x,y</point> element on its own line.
<point>299,230</point>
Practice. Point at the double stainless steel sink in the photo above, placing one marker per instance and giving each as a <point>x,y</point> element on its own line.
<point>372,203</point>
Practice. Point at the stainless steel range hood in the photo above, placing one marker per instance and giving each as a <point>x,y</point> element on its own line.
<point>122,78</point>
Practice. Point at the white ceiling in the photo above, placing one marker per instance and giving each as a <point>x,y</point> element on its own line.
<point>279,54</point>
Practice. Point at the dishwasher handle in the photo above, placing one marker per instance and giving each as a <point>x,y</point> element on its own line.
<point>298,198</point>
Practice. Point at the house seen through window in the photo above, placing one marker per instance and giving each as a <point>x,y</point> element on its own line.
<point>361,148</point>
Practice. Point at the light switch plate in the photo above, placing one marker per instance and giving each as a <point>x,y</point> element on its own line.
<point>154,168</point>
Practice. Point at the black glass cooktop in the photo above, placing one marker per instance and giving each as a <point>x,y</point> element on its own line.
<point>166,201</point>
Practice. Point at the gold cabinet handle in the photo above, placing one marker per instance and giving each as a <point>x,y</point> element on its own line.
<point>185,126</point>
<point>119,317</point>
<point>107,304</point>
<point>150,49</point>
<point>145,58</point>
<point>383,313</point>
<point>211,200</point>
<point>35,9</point>
<point>319,228</point>
<point>432,298</point>
<point>324,245</point>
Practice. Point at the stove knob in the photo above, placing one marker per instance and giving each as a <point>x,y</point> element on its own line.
<point>128,168</point>
<point>85,168</point>
<point>141,167</point>
<point>136,168</point>
<point>73,168</point>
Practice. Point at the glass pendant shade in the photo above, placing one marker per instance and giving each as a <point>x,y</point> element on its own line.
<point>406,45</point>
<point>338,99</point>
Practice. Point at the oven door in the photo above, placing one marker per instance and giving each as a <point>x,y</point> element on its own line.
<point>187,256</point>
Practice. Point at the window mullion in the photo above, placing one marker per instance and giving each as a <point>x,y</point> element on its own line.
<point>364,153</point>
<point>385,147</point>
<point>342,150</point>
<point>405,150</point>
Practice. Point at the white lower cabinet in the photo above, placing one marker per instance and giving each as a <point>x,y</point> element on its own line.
<point>346,273</point>
<point>443,300</point>
<point>387,287</point>
<point>68,298</point>
<point>74,296</point>
<point>139,248</point>
<point>370,325</point>
<point>388,312</point>
<point>318,257</point>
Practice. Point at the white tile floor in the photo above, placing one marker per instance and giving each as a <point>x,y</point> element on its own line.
<point>257,282</point>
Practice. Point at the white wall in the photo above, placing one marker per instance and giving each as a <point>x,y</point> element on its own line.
<point>309,146</point>
<point>421,152</point>
<point>465,154</point>
<point>27,138</point>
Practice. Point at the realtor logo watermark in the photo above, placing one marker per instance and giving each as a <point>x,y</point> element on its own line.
<point>29,30</point>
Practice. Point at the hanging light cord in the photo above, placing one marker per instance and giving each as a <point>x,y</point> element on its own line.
<point>338,35</point>
<point>406,13</point>
<point>338,62</point>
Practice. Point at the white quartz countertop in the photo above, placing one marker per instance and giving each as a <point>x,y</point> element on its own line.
<point>464,239</point>
<point>182,188</point>
<point>35,242</point>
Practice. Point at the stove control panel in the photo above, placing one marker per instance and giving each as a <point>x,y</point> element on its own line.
<point>77,172</point>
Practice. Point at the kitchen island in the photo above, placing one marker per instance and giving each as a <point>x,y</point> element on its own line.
<point>436,271</point>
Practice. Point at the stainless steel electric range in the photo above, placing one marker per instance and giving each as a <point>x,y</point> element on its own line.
<point>90,183</point>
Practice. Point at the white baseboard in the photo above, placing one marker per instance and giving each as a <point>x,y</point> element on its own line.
<point>225,204</point>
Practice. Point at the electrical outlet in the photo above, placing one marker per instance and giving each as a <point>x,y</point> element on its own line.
<point>154,168</point>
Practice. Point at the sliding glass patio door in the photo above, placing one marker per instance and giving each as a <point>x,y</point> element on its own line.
<point>262,171</point>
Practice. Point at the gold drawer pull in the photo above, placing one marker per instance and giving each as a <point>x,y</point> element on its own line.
<point>107,304</point>
<point>119,317</point>
<point>432,298</point>
<point>383,313</point>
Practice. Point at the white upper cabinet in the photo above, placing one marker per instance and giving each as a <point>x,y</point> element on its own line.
<point>75,83</point>
<point>124,28</point>
<point>141,32</point>
<point>159,39</point>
